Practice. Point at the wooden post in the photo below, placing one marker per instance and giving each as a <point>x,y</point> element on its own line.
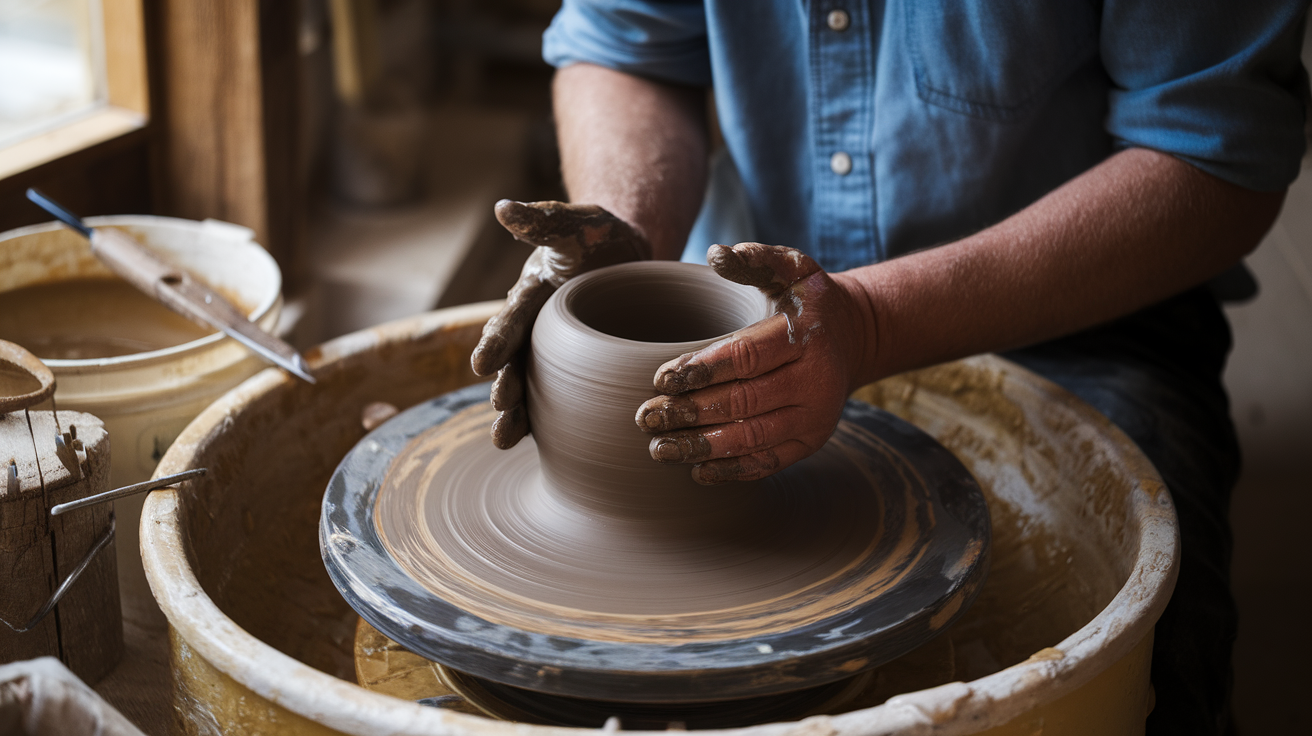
<point>227,104</point>
<point>38,551</point>
<point>25,551</point>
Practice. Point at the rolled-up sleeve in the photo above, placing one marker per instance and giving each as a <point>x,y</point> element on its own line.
<point>1217,84</point>
<point>661,40</point>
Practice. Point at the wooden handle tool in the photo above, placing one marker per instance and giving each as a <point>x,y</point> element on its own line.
<point>176,289</point>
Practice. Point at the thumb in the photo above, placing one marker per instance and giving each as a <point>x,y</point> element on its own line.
<point>770,268</point>
<point>546,223</point>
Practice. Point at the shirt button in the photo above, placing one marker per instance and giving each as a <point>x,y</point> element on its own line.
<point>839,20</point>
<point>840,163</point>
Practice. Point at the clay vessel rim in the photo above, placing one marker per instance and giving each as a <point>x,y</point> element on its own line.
<point>566,295</point>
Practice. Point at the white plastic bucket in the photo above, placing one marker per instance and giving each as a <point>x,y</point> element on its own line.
<point>145,399</point>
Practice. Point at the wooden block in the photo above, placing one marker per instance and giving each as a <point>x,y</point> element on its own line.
<point>25,551</point>
<point>86,627</point>
<point>90,617</point>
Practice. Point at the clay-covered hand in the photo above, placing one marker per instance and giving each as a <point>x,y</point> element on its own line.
<point>770,394</point>
<point>570,239</point>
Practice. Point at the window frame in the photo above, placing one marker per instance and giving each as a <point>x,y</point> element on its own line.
<point>127,107</point>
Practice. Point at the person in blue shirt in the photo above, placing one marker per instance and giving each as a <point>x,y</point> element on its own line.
<point>1055,181</point>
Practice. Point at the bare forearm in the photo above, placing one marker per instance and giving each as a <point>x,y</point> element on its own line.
<point>636,147</point>
<point>1136,229</point>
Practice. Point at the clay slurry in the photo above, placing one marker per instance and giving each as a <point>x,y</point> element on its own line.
<point>89,318</point>
<point>495,540</point>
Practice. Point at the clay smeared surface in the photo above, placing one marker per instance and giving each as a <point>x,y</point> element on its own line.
<point>479,528</point>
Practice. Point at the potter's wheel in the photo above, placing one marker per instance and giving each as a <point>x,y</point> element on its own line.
<point>384,666</point>
<point>839,564</point>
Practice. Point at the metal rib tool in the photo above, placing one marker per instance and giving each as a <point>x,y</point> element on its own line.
<point>150,485</point>
<point>176,289</point>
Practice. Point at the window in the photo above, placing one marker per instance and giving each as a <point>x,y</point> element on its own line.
<point>72,75</point>
<point>52,64</point>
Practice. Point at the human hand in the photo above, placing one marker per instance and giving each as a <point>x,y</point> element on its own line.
<point>570,239</point>
<point>770,394</point>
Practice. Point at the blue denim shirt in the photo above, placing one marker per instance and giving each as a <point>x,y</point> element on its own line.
<point>865,130</point>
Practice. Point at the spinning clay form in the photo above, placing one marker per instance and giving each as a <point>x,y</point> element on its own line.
<point>575,564</point>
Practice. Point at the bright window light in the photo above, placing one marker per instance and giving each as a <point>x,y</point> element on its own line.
<point>52,65</point>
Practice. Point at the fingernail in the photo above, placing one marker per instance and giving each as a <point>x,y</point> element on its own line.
<point>667,451</point>
<point>654,419</point>
<point>508,211</point>
<point>485,359</point>
<point>684,378</point>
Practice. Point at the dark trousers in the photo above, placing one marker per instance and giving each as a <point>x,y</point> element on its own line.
<point>1156,374</point>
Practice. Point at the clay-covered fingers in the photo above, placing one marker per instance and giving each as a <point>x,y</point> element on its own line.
<point>743,450</point>
<point>508,388</point>
<point>752,351</point>
<point>510,427</point>
<point>768,395</point>
<point>511,424</point>
<point>730,439</point>
<point>549,224</point>
<point>751,467</point>
<point>569,239</point>
<point>573,234</point>
<point>730,401</point>
<point>770,268</point>
<point>507,332</point>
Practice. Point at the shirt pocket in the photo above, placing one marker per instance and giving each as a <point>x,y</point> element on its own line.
<point>996,59</point>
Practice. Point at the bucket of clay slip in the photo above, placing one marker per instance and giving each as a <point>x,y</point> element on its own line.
<point>144,397</point>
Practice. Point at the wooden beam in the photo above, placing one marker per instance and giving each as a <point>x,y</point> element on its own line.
<point>286,201</point>
<point>227,105</point>
<point>213,133</point>
<point>96,128</point>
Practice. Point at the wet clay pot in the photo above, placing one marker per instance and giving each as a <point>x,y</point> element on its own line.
<point>595,350</point>
<point>1059,640</point>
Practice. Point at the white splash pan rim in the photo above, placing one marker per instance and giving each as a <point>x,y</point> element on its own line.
<point>946,710</point>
